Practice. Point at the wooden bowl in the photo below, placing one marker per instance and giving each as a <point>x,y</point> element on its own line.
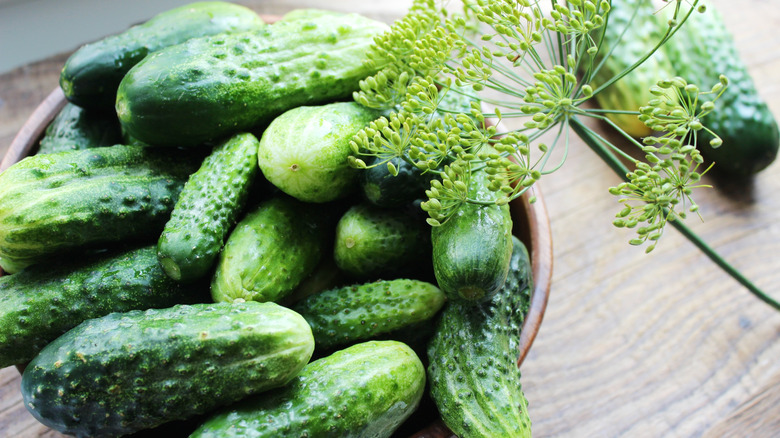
<point>531,225</point>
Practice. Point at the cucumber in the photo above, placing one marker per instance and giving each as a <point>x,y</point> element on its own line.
<point>130,371</point>
<point>208,207</point>
<point>92,73</point>
<point>473,373</point>
<point>366,390</point>
<point>383,189</point>
<point>641,29</point>
<point>304,151</point>
<point>271,251</point>
<point>76,128</point>
<point>42,302</point>
<point>348,314</point>
<point>702,51</point>
<point>373,242</point>
<point>75,199</point>
<point>471,250</point>
<point>209,87</point>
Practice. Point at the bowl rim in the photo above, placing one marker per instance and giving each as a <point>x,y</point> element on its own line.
<point>535,232</point>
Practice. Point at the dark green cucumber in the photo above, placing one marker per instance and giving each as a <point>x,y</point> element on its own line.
<point>371,241</point>
<point>349,314</point>
<point>130,371</point>
<point>304,151</point>
<point>42,302</point>
<point>366,390</point>
<point>92,73</point>
<point>209,87</point>
<point>383,189</point>
<point>59,202</point>
<point>632,30</point>
<point>702,51</point>
<point>473,373</point>
<point>271,251</point>
<point>208,207</point>
<point>471,250</point>
<point>76,128</point>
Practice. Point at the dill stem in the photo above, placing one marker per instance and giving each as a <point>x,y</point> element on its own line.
<point>596,143</point>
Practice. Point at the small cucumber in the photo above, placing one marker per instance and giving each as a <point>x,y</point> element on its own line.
<point>372,242</point>
<point>208,207</point>
<point>354,313</point>
<point>471,250</point>
<point>271,251</point>
<point>383,189</point>
<point>69,200</point>
<point>210,87</point>
<point>304,151</point>
<point>92,73</point>
<point>76,128</point>
<point>366,390</point>
<point>42,302</point>
<point>125,372</point>
<point>473,373</point>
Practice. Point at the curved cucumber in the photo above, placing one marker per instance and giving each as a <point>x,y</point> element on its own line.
<point>42,302</point>
<point>304,151</point>
<point>130,371</point>
<point>207,88</point>
<point>208,207</point>
<point>92,73</point>
<point>366,390</point>
<point>76,128</point>
<point>354,313</point>
<point>473,373</point>
<point>271,251</point>
<point>69,200</point>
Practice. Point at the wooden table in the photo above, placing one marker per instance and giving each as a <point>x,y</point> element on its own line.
<point>632,345</point>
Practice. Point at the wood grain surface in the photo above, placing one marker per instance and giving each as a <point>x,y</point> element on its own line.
<point>632,345</point>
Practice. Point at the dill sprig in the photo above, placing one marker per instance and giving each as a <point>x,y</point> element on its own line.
<point>517,61</point>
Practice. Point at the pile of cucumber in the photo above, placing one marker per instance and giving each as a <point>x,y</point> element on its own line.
<point>190,245</point>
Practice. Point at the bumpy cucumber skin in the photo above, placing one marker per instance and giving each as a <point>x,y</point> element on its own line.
<point>633,90</point>
<point>471,250</point>
<point>92,74</point>
<point>371,241</point>
<point>67,200</point>
<point>270,251</point>
<point>130,371</point>
<point>42,302</point>
<point>473,373</point>
<point>76,128</point>
<point>208,207</point>
<point>304,151</point>
<point>209,87</point>
<point>703,50</point>
<point>363,391</point>
<point>359,312</point>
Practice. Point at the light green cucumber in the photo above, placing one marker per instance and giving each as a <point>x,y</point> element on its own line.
<point>208,207</point>
<point>271,251</point>
<point>363,391</point>
<point>304,151</point>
